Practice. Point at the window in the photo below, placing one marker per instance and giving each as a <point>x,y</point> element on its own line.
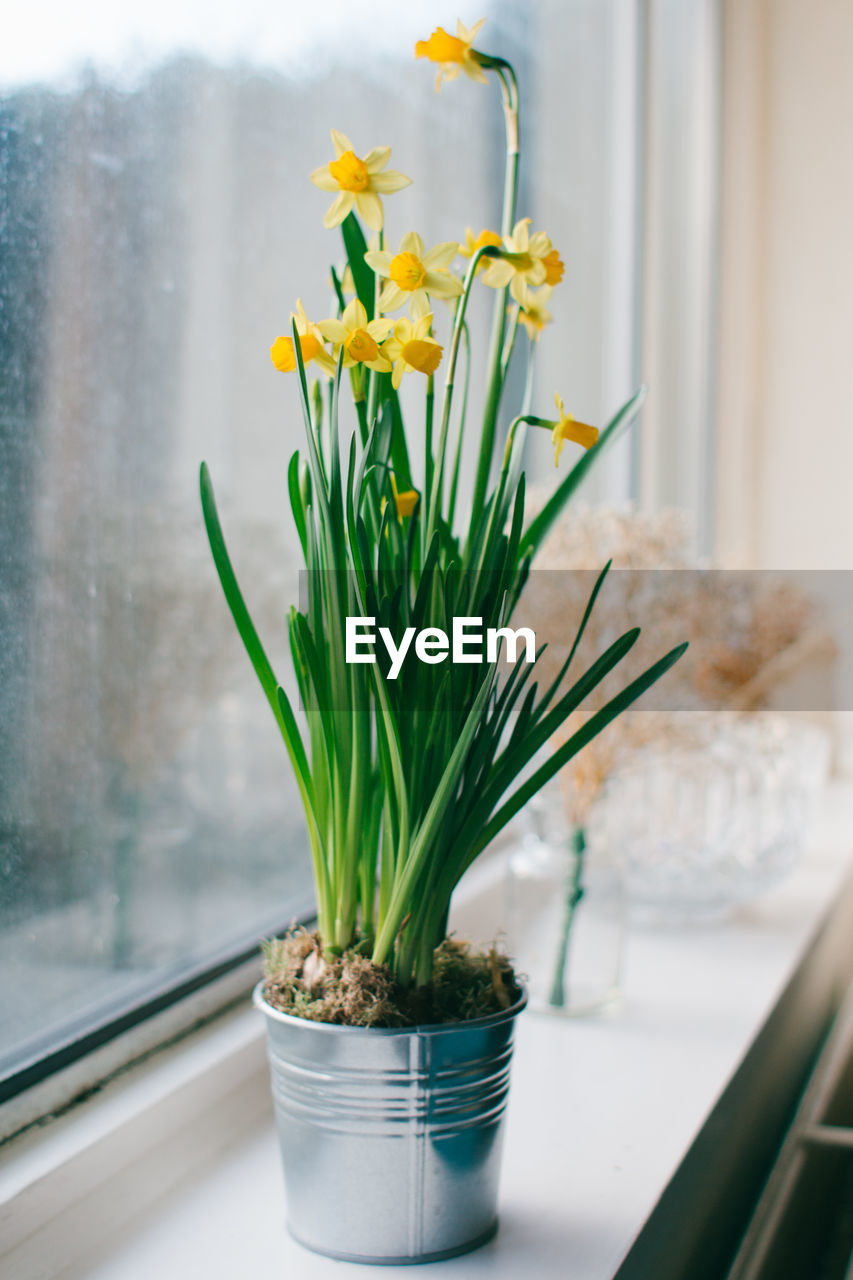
<point>157,227</point>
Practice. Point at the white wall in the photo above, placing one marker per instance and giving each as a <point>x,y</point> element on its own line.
<point>785,405</point>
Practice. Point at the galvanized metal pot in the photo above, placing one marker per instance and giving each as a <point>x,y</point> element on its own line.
<point>391,1139</point>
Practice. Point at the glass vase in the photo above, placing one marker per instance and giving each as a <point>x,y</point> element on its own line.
<point>565,916</point>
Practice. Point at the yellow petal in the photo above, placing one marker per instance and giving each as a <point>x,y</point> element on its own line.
<point>538,244</point>
<point>412,243</point>
<point>370,209</point>
<point>379,261</point>
<point>323,179</point>
<point>341,143</point>
<point>468,34</point>
<point>443,284</point>
<point>338,209</point>
<point>441,256</point>
<point>498,273</point>
<point>377,158</point>
<point>391,297</point>
<point>388,182</point>
<point>520,235</point>
<point>379,329</point>
<point>474,71</point>
<point>333,330</point>
<point>355,316</point>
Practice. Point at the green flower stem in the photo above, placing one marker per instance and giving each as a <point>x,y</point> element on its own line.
<point>429,461</point>
<point>434,501</point>
<point>574,893</point>
<point>532,421</point>
<point>490,413</point>
<point>509,343</point>
<point>457,461</point>
<point>527,398</point>
<point>495,383</point>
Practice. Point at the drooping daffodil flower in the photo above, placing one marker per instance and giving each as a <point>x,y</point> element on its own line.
<point>405,502</point>
<point>527,259</point>
<point>567,428</point>
<point>311,341</point>
<point>415,273</point>
<point>453,53</point>
<point>483,240</point>
<point>533,309</point>
<point>359,183</point>
<point>411,349</point>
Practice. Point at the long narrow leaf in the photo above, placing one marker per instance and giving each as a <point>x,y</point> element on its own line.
<point>600,720</point>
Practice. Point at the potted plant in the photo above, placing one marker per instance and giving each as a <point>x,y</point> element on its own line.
<point>390,1043</point>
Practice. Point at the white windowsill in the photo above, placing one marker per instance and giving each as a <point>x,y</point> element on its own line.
<point>173,1168</point>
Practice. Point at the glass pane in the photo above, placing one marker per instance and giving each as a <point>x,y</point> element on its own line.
<point>157,225</point>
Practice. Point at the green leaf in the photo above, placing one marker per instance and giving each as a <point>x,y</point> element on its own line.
<point>296,498</point>
<point>363,277</point>
<point>399,448</point>
<point>420,846</point>
<point>233,595</point>
<point>575,743</point>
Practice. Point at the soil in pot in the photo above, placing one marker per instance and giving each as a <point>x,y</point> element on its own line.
<point>350,990</point>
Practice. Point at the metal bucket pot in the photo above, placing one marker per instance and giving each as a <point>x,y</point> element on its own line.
<point>391,1139</point>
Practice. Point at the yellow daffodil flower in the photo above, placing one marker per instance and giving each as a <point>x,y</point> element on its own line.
<point>453,53</point>
<point>405,502</point>
<point>568,429</point>
<point>359,183</point>
<point>311,341</point>
<point>413,273</point>
<point>412,349</point>
<point>473,243</point>
<point>553,264</point>
<point>530,259</point>
<point>534,313</point>
<point>359,337</point>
